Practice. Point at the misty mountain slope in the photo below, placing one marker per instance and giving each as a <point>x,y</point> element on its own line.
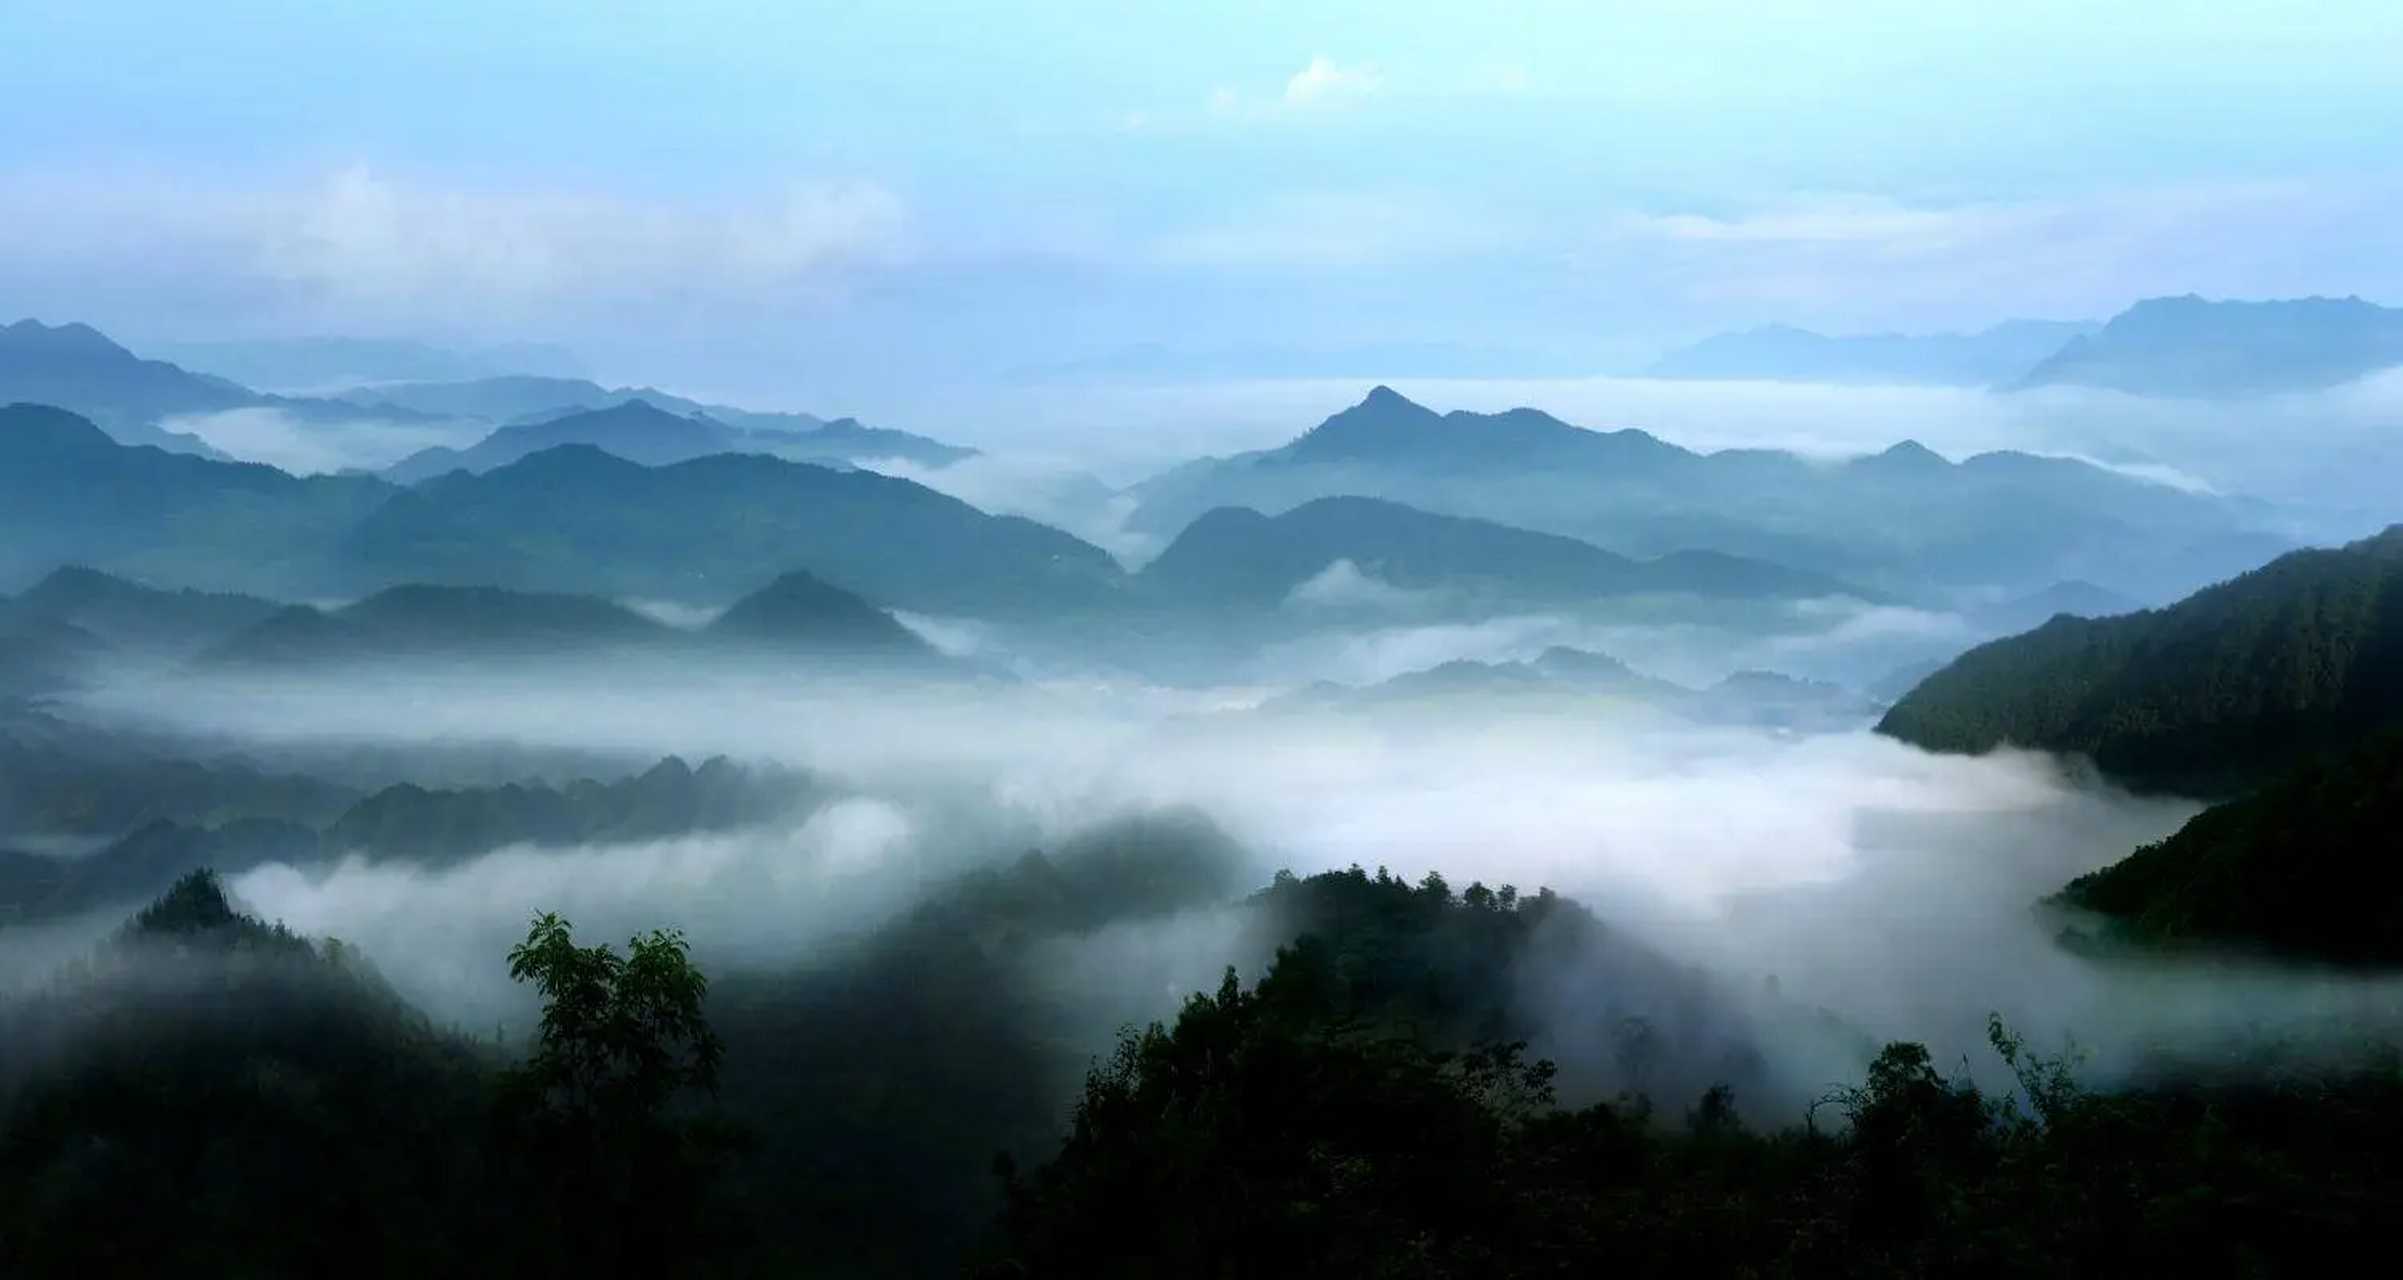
<point>523,401</point>
<point>317,363</point>
<point>132,616</point>
<point>423,827</point>
<point>2304,868</point>
<point>325,1120</point>
<point>2078,599</point>
<point>2192,347</point>
<point>511,397</point>
<point>419,621</point>
<point>44,655</point>
<point>883,1075</point>
<point>1906,521</point>
<point>641,432</point>
<point>1574,682</point>
<point>635,430</point>
<point>149,858</point>
<point>575,518</point>
<point>77,368</point>
<point>2216,693</point>
<point>267,822</point>
<point>1783,353</point>
<point>77,497</point>
<point>799,611</point>
<point>1236,557</point>
<point>64,781</point>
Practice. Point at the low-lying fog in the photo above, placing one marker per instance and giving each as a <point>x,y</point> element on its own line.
<point>1892,887</point>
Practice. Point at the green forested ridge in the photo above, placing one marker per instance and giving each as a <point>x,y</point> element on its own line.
<point>211,1095</point>
<point>2306,867</point>
<point>2212,696</point>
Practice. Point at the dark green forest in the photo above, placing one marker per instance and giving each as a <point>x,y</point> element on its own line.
<point>208,1094</point>
<point>2213,696</point>
<point>2304,868</point>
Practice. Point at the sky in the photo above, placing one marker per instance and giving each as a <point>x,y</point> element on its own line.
<point>810,202</point>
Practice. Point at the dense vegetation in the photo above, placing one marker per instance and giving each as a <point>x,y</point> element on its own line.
<point>210,1095</point>
<point>2305,868</point>
<point>2214,695</point>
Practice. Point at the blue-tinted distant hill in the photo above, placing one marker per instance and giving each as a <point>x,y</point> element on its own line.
<point>639,431</point>
<point>1906,521</point>
<point>75,496</point>
<point>78,368</point>
<point>797,616</point>
<point>2193,347</point>
<point>1783,353</point>
<point>1235,557</point>
<point>525,408</point>
<point>575,518</point>
<point>309,365</point>
<point>571,518</point>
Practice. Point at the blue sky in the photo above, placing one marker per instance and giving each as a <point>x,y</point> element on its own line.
<point>795,199</point>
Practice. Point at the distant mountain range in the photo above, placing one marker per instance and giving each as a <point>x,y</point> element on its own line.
<point>1783,353</point>
<point>317,365</point>
<point>641,432</point>
<point>2190,347</point>
<point>1156,362</point>
<point>569,518</point>
<point>1568,681</point>
<point>2184,347</point>
<point>796,616</point>
<point>1235,557</point>
<point>76,367</point>
<point>573,519</point>
<point>1907,521</point>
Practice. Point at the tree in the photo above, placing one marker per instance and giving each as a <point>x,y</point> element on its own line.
<point>593,1110</point>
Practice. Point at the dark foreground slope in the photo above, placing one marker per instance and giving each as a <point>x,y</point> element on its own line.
<point>2213,695</point>
<point>214,1096</point>
<point>2305,869</point>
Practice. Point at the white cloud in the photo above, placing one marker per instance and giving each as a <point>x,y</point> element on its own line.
<point>1878,263</point>
<point>1324,81</point>
<point>1322,84</point>
<point>362,248</point>
<point>1856,220</point>
<point>1331,228</point>
<point>367,238</point>
<point>280,440</point>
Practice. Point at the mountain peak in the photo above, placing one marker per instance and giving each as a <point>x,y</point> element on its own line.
<point>1906,456</point>
<point>73,338</point>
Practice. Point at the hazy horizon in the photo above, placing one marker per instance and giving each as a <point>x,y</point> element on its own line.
<point>831,204</point>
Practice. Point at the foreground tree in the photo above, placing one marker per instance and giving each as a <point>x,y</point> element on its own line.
<point>599,1113</point>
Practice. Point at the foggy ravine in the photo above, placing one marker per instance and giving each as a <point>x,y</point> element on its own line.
<point>1892,888</point>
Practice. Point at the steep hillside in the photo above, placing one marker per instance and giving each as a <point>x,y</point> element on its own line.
<point>2214,694</point>
<point>2305,868</point>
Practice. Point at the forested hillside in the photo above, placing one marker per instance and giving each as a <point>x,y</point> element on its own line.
<point>2211,696</point>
